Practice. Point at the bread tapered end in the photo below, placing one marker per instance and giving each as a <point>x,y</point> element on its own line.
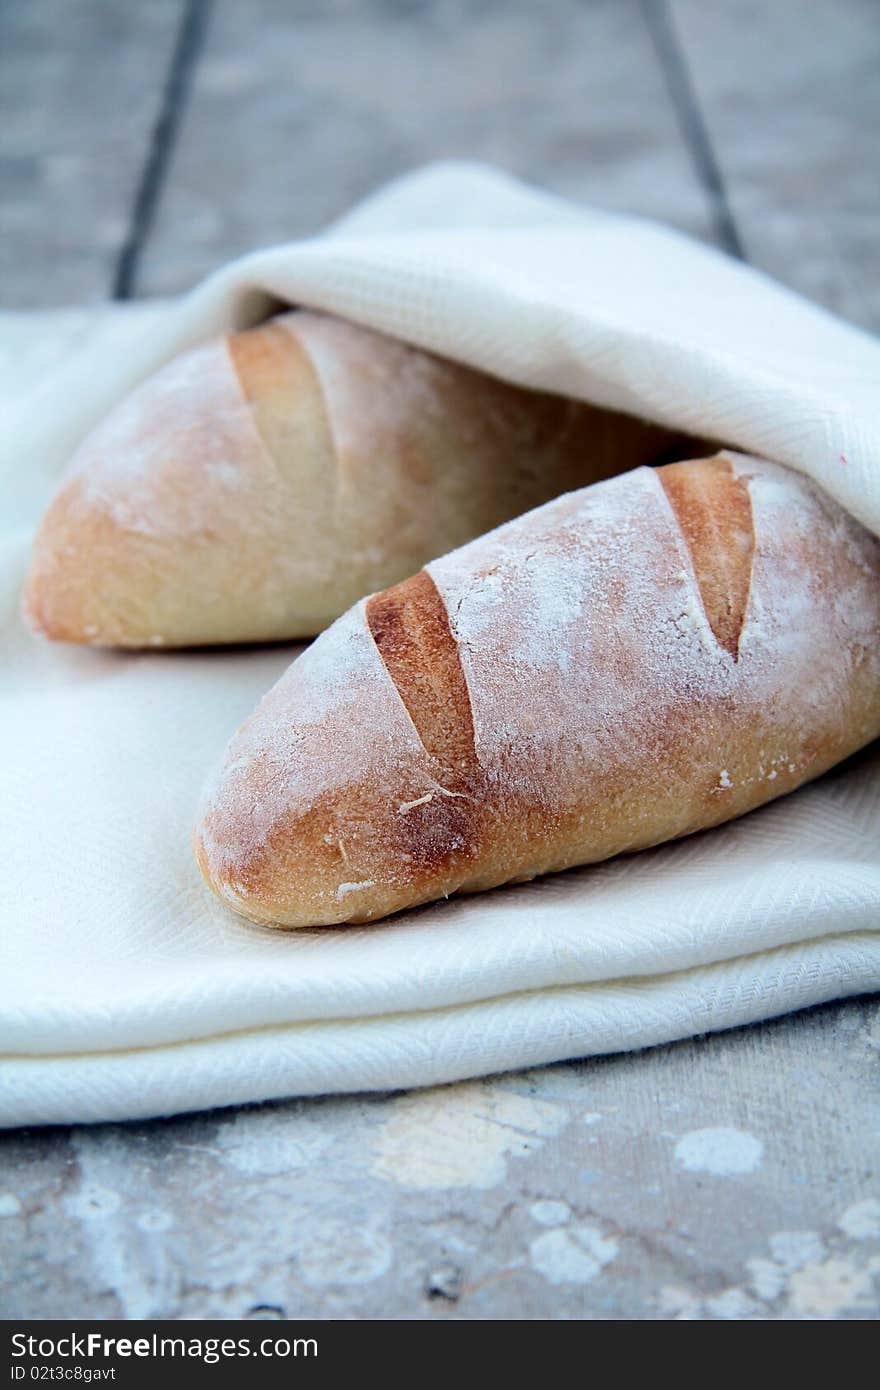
<point>88,583</point>
<point>328,808</point>
<point>175,524</point>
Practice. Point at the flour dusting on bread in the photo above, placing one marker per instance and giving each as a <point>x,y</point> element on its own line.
<point>608,713</point>
<point>154,458</point>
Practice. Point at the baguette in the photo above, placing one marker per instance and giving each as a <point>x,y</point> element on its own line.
<point>633,662</point>
<point>258,486</point>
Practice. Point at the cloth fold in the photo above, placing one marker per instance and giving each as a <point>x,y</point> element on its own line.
<point>125,990</point>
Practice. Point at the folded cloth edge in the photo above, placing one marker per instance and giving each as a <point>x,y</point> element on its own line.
<point>661,324</point>
<point>440,1047</point>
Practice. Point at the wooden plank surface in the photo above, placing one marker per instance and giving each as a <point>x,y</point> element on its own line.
<point>298,111</point>
<point>81,90</point>
<point>791,98</point>
<point>731,1177</point>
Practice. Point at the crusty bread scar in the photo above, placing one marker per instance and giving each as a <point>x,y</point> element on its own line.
<point>635,661</point>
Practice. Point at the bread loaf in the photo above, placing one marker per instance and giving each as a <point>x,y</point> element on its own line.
<point>630,663</point>
<point>256,487</point>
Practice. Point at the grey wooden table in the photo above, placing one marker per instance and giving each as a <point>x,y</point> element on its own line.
<point>734,1176</point>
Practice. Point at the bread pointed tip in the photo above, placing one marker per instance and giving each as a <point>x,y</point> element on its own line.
<point>249,887</point>
<point>176,525</point>
<point>36,613</point>
<point>220,878</point>
<point>87,583</point>
<point>52,603</point>
<point>310,821</point>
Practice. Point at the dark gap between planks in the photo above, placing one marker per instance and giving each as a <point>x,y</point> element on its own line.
<point>194,23</point>
<point>673,63</point>
<point>190,39</point>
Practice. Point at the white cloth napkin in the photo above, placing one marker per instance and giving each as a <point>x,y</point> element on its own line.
<point>125,989</point>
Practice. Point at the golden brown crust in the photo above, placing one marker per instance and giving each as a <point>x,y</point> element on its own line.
<point>257,487</point>
<point>440,829</point>
<point>173,525</point>
<point>609,710</point>
<point>711,504</point>
<point>266,361</point>
<point>411,630</point>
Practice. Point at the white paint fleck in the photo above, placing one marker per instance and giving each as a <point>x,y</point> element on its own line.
<point>724,779</point>
<point>862,1220</point>
<point>154,1221</point>
<point>767,1279</point>
<point>440,1232</point>
<point>461,1136</point>
<point>590,1118</point>
<point>572,1256</point>
<point>733,1305</point>
<point>679,1304</point>
<point>138,1273</point>
<point>722,1151</point>
<point>337,1252</point>
<point>794,1249</point>
<point>9,1204</point>
<point>826,1290</point>
<point>271,1141</point>
<point>550,1213</point>
<point>93,1203</point>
